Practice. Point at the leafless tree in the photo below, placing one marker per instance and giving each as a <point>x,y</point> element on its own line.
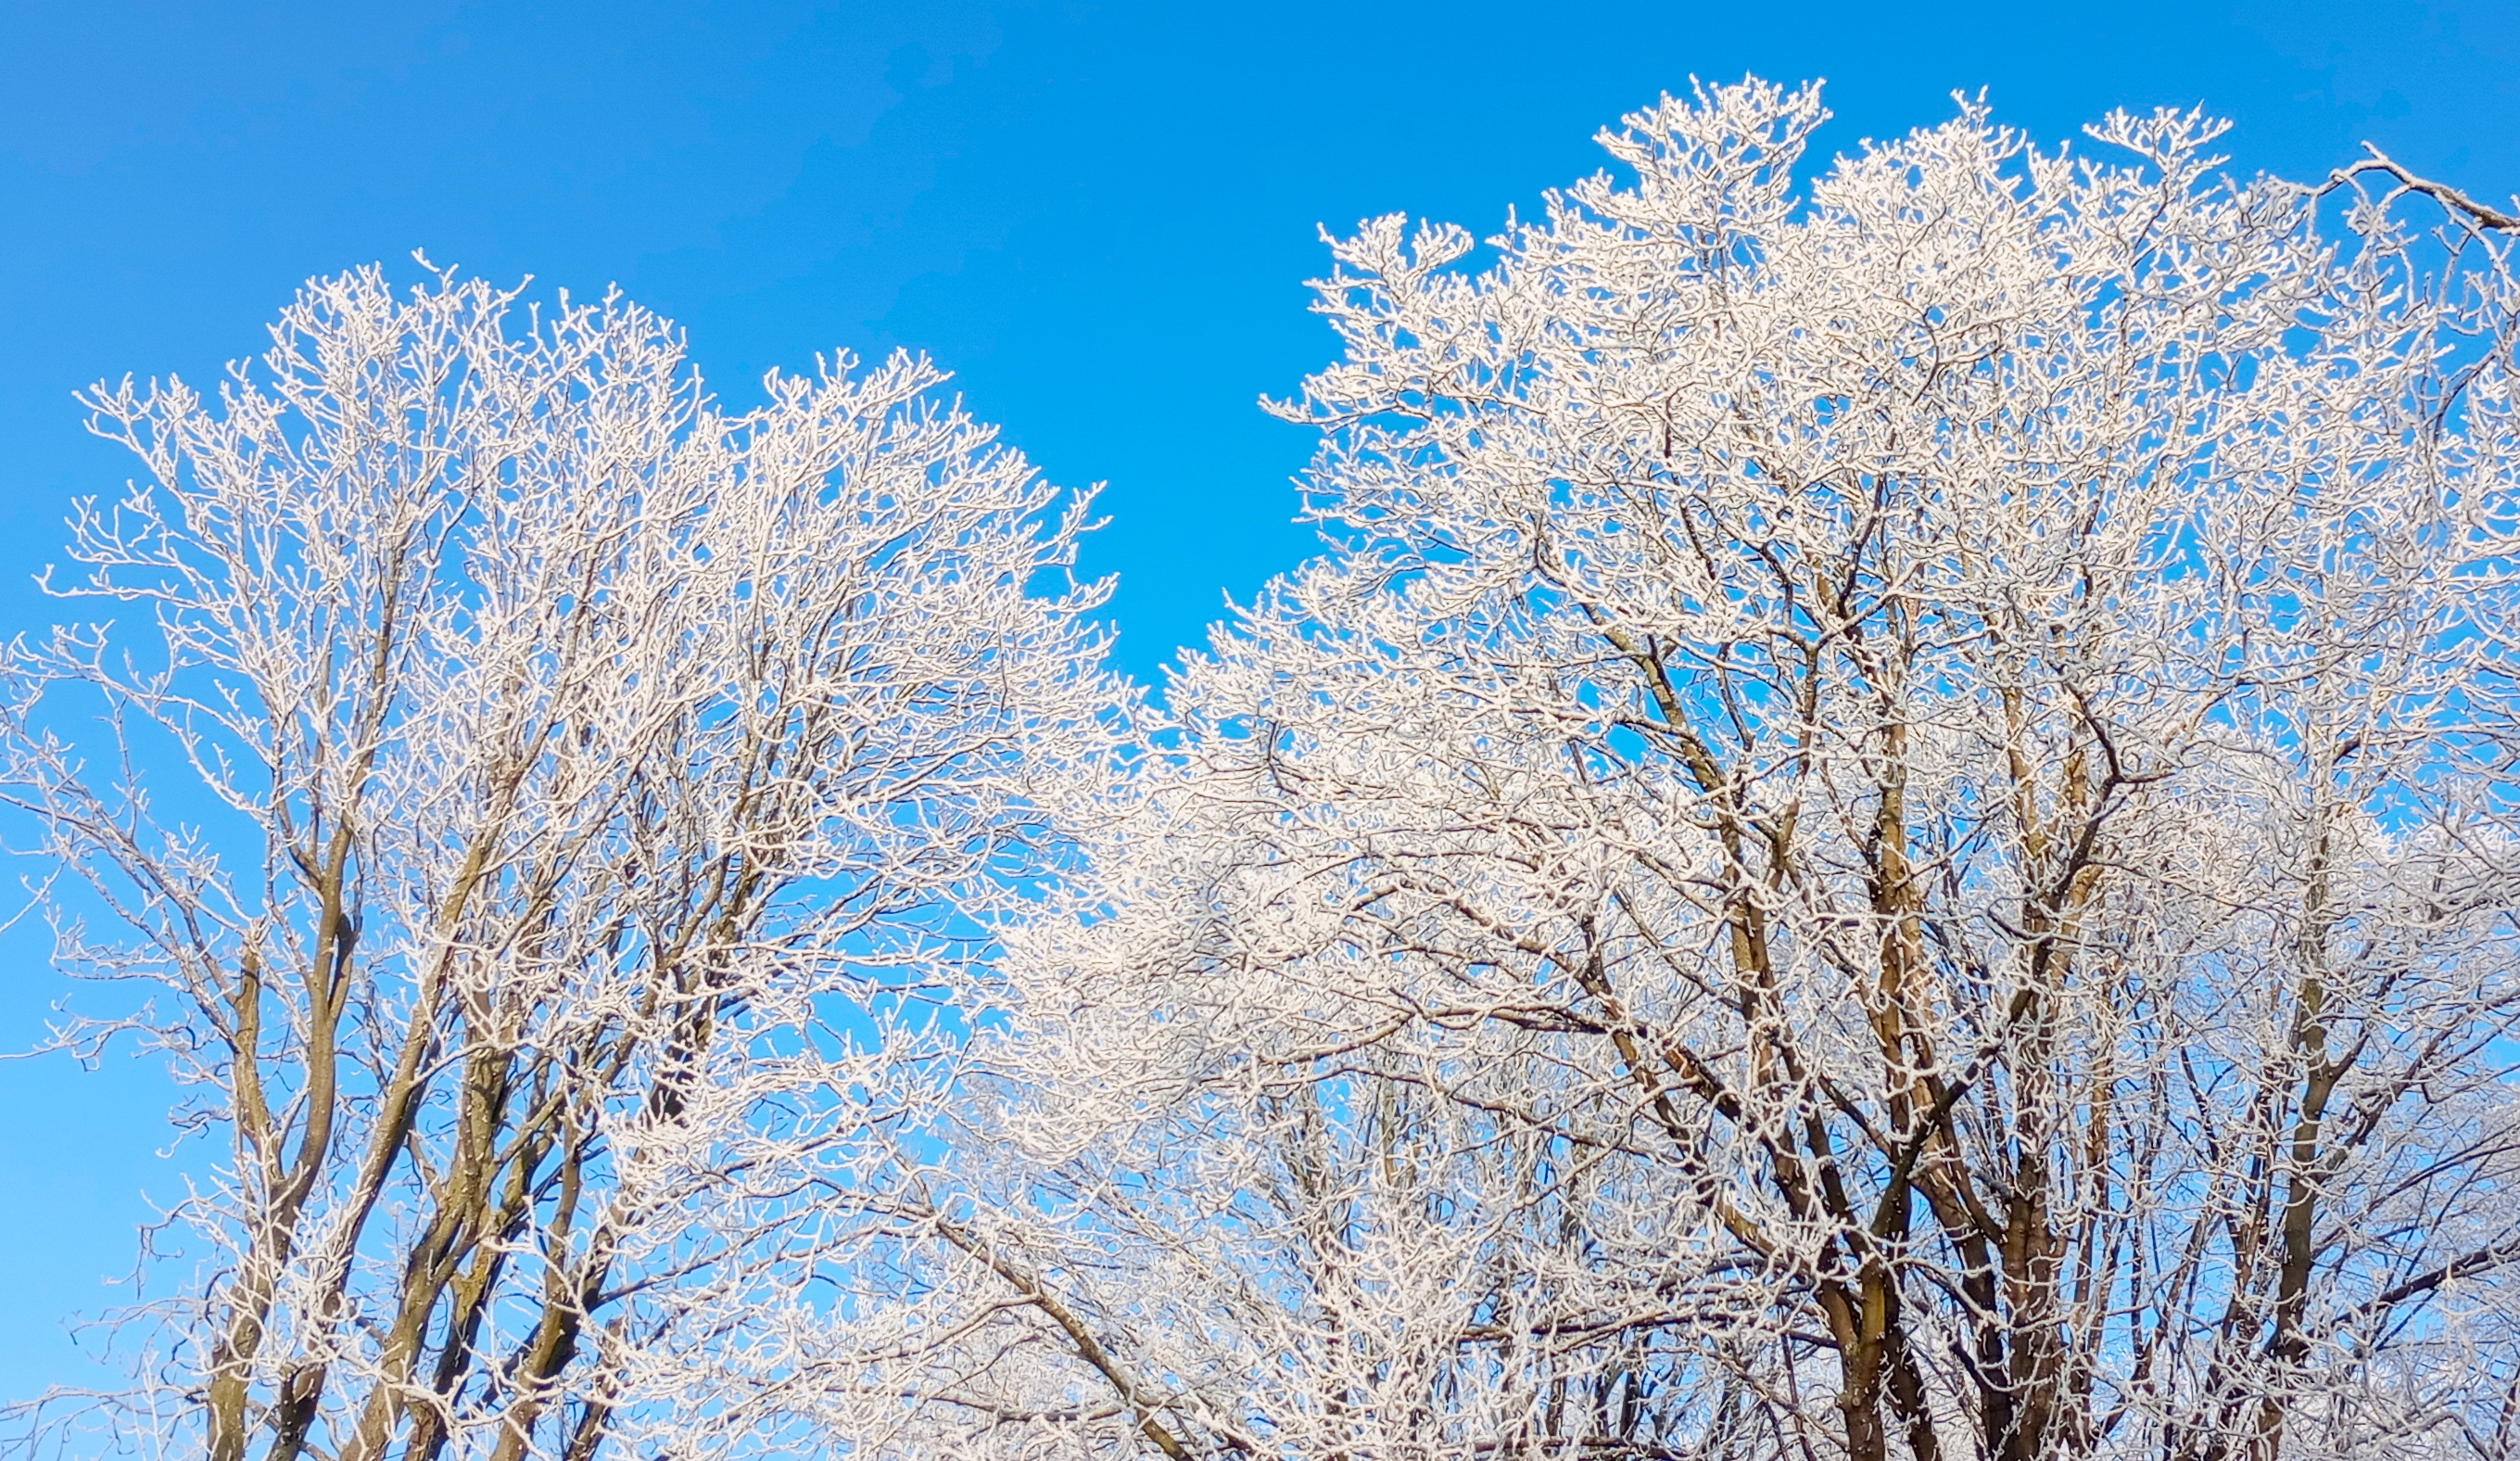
<point>536,801</point>
<point>1889,830</point>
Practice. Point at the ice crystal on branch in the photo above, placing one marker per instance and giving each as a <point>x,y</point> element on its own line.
<point>577,782</point>
<point>1888,833</point>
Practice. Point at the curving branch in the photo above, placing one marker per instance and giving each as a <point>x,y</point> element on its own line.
<point>2457,202</point>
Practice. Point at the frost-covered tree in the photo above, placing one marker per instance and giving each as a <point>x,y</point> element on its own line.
<point>1889,830</point>
<point>532,799</point>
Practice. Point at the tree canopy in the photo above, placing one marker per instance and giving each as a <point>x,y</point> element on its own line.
<point>1886,829</point>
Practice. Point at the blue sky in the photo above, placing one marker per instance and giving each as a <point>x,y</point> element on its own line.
<point>1099,215</point>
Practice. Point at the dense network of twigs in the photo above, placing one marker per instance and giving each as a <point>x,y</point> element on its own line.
<point>518,773</point>
<point>1888,830</point>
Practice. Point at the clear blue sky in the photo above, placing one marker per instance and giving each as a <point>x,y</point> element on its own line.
<point>1099,215</point>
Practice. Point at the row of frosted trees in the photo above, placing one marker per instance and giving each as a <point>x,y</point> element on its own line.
<point>1889,829</point>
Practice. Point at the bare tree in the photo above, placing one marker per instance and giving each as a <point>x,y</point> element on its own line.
<point>1889,830</point>
<point>534,798</point>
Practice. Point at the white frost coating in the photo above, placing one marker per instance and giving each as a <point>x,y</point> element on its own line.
<point>1889,832</point>
<point>570,766</point>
